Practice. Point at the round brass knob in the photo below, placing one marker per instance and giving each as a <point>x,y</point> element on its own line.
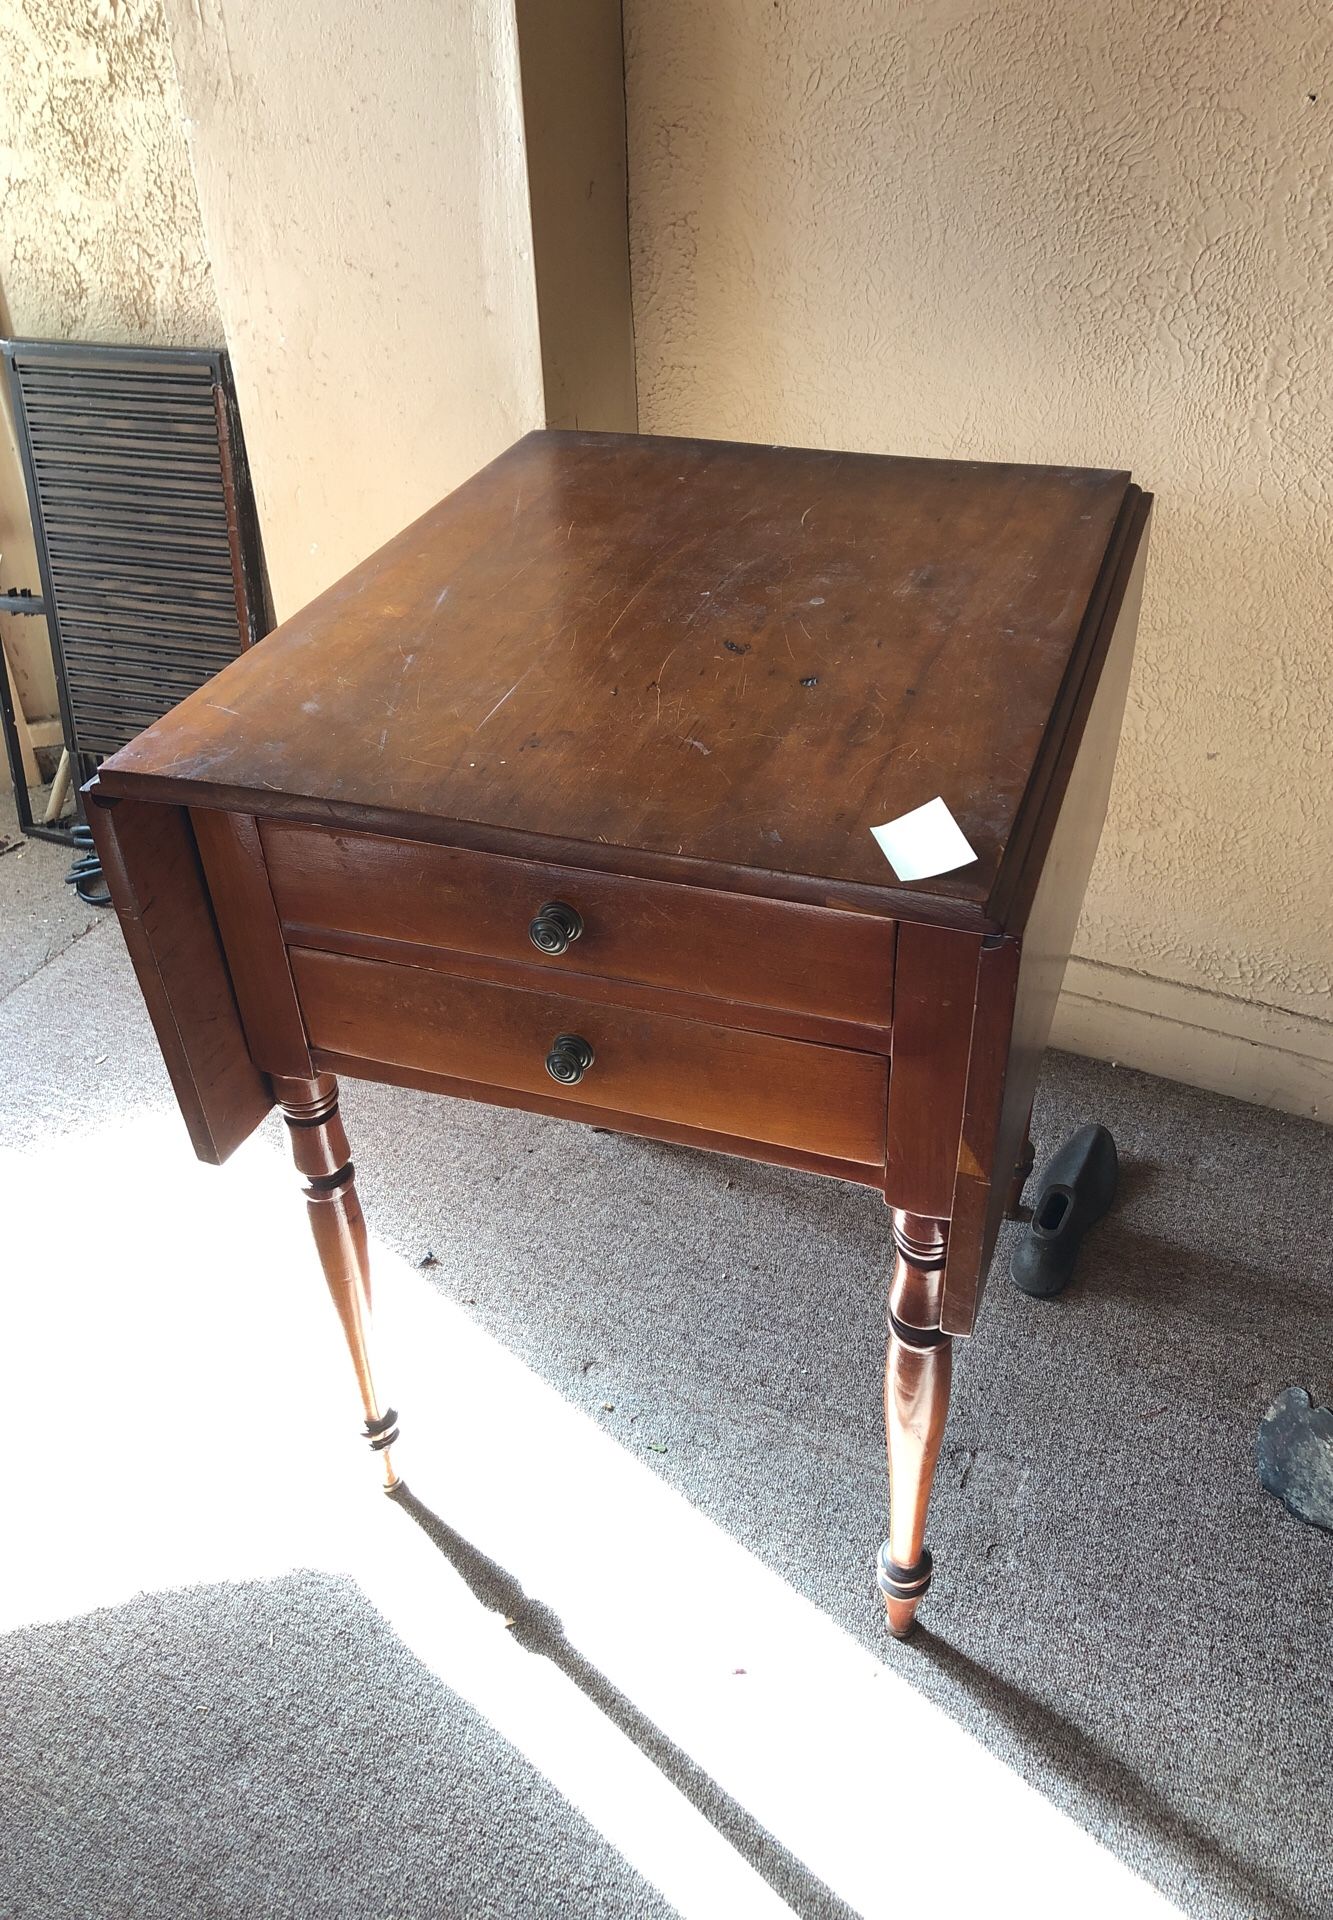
<point>554,927</point>
<point>569,1058</point>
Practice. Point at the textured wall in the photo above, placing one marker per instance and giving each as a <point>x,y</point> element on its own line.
<point>1102,235</point>
<point>99,229</point>
<point>572,64</point>
<point>361,176</point>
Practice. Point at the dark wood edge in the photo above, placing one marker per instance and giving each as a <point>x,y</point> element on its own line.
<point>601,436</point>
<point>234,865</point>
<point>598,989</point>
<point>991,1138</point>
<point>934,997</point>
<point>178,958</point>
<point>980,1186</point>
<point>349,1067</point>
<point>888,903</point>
<point>1020,869</point>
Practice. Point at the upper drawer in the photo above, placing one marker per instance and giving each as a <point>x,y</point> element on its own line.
<point>728,946</point>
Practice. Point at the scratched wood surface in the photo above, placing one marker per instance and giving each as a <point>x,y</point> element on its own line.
<point>722,1080</point>
<point>726,946</point>
<point>687,658</point>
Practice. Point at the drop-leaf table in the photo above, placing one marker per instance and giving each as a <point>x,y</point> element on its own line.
<point>564,800</point>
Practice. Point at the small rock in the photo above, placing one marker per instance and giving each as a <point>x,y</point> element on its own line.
<point>1294,1455</point>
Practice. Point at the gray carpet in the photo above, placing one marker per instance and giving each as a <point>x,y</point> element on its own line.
<point>1119,1613</point>
<point>347,1782</point>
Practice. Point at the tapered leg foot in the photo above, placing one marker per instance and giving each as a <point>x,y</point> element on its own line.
<point>917,1376</point>
<point>321,1153</point>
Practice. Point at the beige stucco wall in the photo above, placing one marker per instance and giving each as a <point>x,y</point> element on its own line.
<point>572,67</point>
<point>361,175</point>
<point>99,229</point>
<point>340,195</point>
<point>1092,234</point>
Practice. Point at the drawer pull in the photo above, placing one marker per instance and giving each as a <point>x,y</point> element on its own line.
<point>569,1059</point>
<point>555,926</point>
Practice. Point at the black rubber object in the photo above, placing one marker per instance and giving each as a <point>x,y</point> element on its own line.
<point>1077,1187</point>
<point>85,876</point>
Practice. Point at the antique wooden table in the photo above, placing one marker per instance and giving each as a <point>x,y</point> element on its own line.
<point>564,798</point>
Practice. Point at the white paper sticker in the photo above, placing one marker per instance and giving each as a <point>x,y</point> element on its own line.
<point>924,842</point>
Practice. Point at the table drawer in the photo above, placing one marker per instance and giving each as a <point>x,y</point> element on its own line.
<point>727,946</point>
<point>828,1101</point>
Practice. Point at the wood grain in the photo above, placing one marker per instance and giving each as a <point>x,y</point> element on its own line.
<point>596,991</point>
<point>608,1119</point>
<point>730,947</point>
<point>151,864</point>
<point>321,1153</point>
<point>233,858</point>
<point>730,661</point>
<point>935,993</point>
<point>819,1100</point>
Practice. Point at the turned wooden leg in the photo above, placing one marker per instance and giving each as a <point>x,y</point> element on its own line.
<point>916,1404</point>
<point>319,1147</point>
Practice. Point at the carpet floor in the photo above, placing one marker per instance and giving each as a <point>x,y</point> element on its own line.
<point>210,1706</point>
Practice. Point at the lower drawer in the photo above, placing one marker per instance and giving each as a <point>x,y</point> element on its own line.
<point>827,1101</point>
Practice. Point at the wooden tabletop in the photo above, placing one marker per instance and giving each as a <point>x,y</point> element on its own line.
<point>687,658</point>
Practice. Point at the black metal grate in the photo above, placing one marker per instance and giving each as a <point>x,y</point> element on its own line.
<point>145,528</point>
